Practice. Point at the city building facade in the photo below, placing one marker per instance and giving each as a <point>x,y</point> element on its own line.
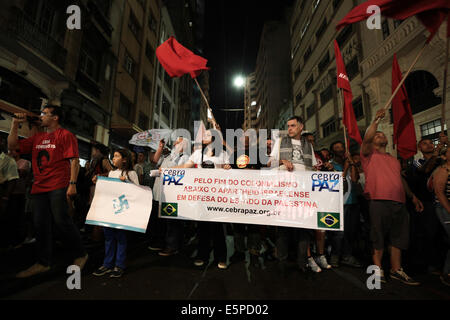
<point>367,54</point>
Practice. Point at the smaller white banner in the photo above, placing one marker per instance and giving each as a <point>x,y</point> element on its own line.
<point>120,205</point>
<point>150,138</point>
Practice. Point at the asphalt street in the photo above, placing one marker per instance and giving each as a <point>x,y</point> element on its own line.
<point>152,277</point>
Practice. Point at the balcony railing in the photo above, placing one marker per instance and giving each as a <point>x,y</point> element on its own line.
<point>22,28</point>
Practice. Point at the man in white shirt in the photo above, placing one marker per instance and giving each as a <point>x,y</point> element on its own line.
<point>293,152</point>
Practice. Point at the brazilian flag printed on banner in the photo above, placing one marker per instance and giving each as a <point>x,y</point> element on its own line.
<point>169,209</point>
<point>328,220</point>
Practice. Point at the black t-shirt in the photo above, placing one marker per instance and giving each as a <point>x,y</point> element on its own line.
<point>417,180</point>
<point>241,160</point>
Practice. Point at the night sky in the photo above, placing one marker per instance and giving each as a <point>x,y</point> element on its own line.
<point>232,32</point>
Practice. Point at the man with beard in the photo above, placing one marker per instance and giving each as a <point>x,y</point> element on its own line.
<point>293,152</point>
<point>54,184</point>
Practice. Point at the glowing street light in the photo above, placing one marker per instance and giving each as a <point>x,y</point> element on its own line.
<point>239,82</point>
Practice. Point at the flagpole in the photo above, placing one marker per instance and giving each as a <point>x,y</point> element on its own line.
<point>207,103</point>
<point>444,93</point>
<point>343,125</point>
<point>387,105</point>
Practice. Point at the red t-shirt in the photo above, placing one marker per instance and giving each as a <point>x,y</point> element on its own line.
<point>50,153</point>
<point>383,177</point>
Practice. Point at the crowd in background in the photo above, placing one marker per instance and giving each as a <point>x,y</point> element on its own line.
<point>421,235</point>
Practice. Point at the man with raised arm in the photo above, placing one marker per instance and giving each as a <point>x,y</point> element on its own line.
<point>386,190</point>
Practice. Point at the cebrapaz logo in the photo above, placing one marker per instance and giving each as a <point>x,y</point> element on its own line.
<point>173,179</point>
<point>169,209</point>
<point>328,220</point>
<point>325,181</point>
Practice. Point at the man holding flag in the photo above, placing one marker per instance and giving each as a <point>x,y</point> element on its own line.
<point>386,194</point>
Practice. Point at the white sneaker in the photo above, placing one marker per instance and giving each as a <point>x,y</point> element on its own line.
<point>322,262</point>
<point>313,265</point>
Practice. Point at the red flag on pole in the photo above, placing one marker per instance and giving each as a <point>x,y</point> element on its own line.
<point>404,132</point>
<point>178,60</point>
<point>430,13</point>
<point>348,115</point>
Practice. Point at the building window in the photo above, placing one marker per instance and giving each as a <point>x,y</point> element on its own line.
<point>298,98</point>
<point>146,86</point>
<point>419,87</point>
<point>309,83</point>
<point>344,35</point>
<point>297,73</point>
<point>326,95</point>
<point>149,52</point>
<point>142,3</point>
<point>143,121</point>
<point>168,82</point>
<point>125,108</point>
<point>397,23</point>
<point>133,24</point>
<point>152,24</point>
<point>307,54</point>
<point>88,64</point>
<point>358,108</point>
<point>323,64</point>
<point>329,127</point>
<point>165,108</point>
<point>310,110</point>
<point>352,68</point>
<point>432,129</point>
<point>322,29</point>
<point>385,28</point>
<point>129,64</point>
<point>336,3</point>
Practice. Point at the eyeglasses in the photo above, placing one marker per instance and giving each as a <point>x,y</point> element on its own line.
<point>46,114</point>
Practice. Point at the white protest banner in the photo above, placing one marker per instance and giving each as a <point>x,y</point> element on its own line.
<point>312,200</point>
<point>120,205</point>
<point>150,138</point>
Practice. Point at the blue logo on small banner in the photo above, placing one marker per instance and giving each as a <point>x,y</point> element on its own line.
<point>120,204</point>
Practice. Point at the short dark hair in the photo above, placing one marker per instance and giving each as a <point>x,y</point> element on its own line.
<point>56,111</point>
<point>306,134</point>
<point>335,143</point>
<point>298,118</point>
<point>104,150</point>
<point>423,139</point>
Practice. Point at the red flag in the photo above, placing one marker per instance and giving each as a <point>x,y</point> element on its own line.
<point>430,13</point>
<point>178,60</point>
<point>404,132</point>
<point>348,117</point>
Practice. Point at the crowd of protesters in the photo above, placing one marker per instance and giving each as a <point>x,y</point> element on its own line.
<point>389,205</point>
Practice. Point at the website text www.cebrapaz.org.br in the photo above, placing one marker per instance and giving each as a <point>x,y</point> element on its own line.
<point>268,212</point>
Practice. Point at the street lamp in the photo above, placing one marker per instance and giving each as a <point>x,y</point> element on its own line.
<point>239,81</point>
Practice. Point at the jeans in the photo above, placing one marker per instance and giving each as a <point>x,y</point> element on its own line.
<point>342,241</point>
<point>115,245</point>
<point>302,238</point>
<point>253,237</point>
<point>156,228</point>
<point>444,218</point>
<point>50,206</point>
<point>426,237</point>
<point>211,231</point>
<point>174,234</point>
